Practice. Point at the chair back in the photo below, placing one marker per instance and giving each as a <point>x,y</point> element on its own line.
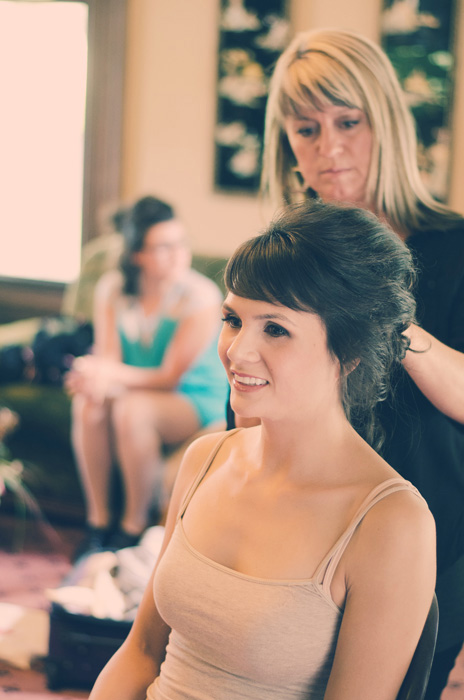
<point>416,679</point>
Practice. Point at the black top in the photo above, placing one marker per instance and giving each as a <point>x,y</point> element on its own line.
<point>421,443</point>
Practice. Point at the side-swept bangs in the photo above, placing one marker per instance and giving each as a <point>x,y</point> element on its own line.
<point>263,269</point>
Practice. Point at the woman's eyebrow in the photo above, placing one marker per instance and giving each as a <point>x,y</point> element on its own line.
<point>274,317</point>
<point>263,317</point>
<point>226,307</point>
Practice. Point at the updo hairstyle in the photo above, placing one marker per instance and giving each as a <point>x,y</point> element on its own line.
<point>343,264</point>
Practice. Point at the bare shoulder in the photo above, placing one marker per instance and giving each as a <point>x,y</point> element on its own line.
<point>219,444</point>
<point>202,447</point>
<point>196,456</point>
<point>401,511</point>
<point>204,287</point>
<point>193,463</point>
<point>397,533</point>
<point>109,286</point>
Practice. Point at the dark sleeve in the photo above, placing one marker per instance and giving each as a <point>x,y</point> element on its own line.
<point>457,319</point>
<point>439,256</point>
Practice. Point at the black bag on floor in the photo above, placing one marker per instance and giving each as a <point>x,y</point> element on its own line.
<point>79,646</point>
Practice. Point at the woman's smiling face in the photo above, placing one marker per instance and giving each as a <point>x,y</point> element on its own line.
<point>277,361</point>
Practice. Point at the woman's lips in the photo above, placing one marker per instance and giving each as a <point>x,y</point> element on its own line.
<point>248,381</point>
<point>334,171</point>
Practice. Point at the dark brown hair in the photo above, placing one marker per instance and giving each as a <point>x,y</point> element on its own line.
<point>349,268</point>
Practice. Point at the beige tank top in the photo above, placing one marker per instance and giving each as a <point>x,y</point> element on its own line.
<point>238,637</point>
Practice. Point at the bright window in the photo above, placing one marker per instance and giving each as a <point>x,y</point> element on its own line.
<point>43,69</point>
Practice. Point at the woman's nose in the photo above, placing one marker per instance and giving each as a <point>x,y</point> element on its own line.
<point>243,348</point>
<point>329,141</point>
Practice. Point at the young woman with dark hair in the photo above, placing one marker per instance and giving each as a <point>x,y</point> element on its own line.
<point>296,562</point>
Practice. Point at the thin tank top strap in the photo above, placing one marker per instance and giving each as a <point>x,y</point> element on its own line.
<point>204,470</point>
<point>326,569</point>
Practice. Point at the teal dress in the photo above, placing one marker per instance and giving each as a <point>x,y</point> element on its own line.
<point>204,384</point>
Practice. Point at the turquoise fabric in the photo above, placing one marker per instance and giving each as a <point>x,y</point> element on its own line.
<point>204,384</point>
<point>137,354</point>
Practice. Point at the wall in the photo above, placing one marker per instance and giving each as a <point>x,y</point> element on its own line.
<point>170,108</point>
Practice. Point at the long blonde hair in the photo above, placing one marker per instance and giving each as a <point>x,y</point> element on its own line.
<point>332,66</point>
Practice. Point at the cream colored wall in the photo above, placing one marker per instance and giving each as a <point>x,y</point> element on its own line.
<point>170,108</point>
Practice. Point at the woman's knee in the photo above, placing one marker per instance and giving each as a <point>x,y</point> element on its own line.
<point>84,411</point>
<point>132,413</point>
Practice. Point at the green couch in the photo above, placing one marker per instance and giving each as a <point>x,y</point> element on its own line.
<point>42,440</point>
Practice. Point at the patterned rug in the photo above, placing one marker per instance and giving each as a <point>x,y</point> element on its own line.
<point>33,557</point>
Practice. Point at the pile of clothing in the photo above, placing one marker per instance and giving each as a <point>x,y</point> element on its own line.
<point>110,584</point>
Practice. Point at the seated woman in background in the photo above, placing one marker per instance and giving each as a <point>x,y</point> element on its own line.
<point>154,377</point>
<point>296,563</point>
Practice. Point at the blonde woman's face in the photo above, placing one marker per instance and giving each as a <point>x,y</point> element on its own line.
<point>333,149</point>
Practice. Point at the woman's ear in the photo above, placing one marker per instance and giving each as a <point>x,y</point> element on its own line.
<point>352,366</point>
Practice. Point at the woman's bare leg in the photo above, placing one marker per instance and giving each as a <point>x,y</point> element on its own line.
<point>143,421</point>
<point>92,449</point>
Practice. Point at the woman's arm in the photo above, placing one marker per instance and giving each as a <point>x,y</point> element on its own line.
<point>137,662</point>
<point>83,377</point>
<point>106,376</point>
<point>389,570</point>
<point>438,371</point>
<point>107,292</point>
<point>192,337</point>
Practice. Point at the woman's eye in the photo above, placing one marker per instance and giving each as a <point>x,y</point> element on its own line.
<point>231,321</point>
<point>350,123</point>
<point>276,331</point>
<point>306,131</point>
